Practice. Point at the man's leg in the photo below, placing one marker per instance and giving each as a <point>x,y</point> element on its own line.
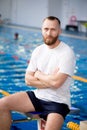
<point>16,102</point>
<point>54,122</point>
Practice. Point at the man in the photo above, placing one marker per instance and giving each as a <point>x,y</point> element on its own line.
<point>50,70</point>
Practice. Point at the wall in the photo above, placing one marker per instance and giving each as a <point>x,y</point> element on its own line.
<point>31,12</point>
<point>54,8</point>
<point>5,8</point>
<point>77,8</point>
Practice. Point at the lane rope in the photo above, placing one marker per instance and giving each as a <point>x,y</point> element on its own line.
<point>79,78</point>
<point>4,92</point>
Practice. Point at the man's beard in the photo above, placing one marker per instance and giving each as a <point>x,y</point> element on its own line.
<point>50,40</point>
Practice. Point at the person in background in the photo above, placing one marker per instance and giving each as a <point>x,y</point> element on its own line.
<point>16,36</point>
<point>50,71</point>
<point>1,21</point>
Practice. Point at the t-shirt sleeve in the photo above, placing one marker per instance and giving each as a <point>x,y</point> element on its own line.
<point>32,66</point>
<point>67,63</point>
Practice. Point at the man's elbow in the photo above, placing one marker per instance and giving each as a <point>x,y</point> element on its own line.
<point>56,84</point>
<point>27,81</point>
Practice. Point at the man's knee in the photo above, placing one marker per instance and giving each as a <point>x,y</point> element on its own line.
<point>3,104</point>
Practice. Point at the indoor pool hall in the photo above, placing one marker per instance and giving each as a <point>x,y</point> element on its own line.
<point>15,56</point>
<point>43,65</point>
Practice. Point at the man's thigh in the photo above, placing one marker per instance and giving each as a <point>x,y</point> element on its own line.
<point>18,102</point>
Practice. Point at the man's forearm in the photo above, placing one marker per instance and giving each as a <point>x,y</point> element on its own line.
<point>54,80</point>
<point>31,80</point>
<point>45,78</point>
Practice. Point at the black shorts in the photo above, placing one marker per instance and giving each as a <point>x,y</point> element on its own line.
<point>46,107</point>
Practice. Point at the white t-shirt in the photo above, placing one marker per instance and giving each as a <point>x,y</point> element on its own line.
<point>47,60</point>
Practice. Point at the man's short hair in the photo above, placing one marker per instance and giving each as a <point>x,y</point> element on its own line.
<point>53,18</point>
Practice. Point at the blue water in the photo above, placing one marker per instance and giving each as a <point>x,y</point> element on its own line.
<point>14,58</point>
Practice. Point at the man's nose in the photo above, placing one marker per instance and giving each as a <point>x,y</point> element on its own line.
<point>49,32</point>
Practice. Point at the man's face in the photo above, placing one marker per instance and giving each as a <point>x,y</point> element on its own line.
<point>50,31</point>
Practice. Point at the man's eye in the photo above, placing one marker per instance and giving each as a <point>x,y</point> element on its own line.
<point>46,29</point>
<point>53,29</point>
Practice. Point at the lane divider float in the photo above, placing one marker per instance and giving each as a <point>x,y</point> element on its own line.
<point>79,78</point>
<point>73,126</point>
<point>4,92</point>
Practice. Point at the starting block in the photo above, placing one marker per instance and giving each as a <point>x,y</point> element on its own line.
<point>74,110</point>
<point>83,125</point>
<point>41,122</point>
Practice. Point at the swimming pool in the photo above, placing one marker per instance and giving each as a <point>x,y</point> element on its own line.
<point>14,58</point>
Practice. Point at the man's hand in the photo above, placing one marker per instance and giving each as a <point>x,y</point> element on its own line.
<point>37,74</point>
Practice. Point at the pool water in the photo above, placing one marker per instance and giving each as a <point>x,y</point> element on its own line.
<point>14,58</point>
